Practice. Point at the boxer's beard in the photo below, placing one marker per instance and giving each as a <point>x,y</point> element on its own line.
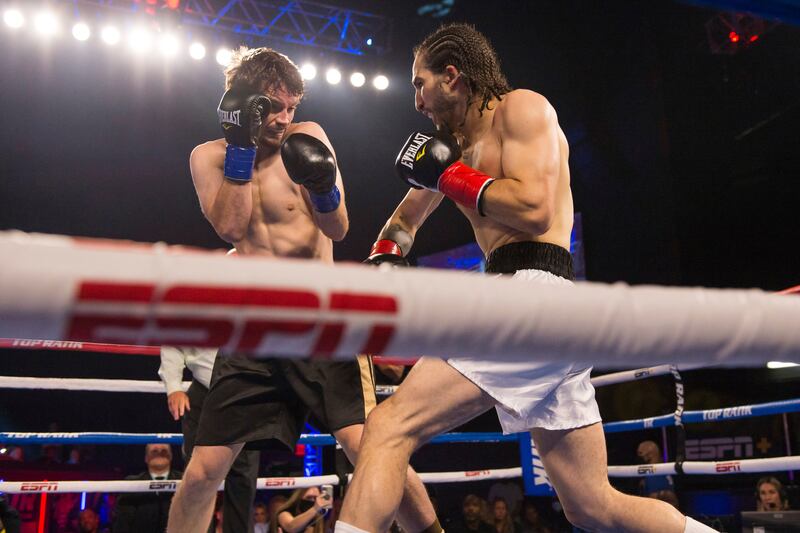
<point>444,110</point>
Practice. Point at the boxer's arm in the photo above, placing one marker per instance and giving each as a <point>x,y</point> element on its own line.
<point>226,204</point>
<point>531,160</point>
<point>410,214</point>
<point>333,224</point>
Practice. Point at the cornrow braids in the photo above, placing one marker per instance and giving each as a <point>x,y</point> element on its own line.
<point>467,49</point>
<point>265,70</point>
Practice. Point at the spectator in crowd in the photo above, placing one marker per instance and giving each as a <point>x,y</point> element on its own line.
<point>145,512</point>
<point>770,495</point>
<point>471,517</point>
<point>501,518</point>
<point>9,517</point>
<point>658,487</point>
<point>510,491</point>
<point>260,518</point>
<point>302,512</point>
<point>89,521</point>
<point>273,505</point>
<point>11,453</point>
<point>531,520</point>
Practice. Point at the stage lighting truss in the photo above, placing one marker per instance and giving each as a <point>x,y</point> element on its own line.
<point>299,22</point>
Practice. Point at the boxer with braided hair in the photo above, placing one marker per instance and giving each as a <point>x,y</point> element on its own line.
<point>502,157</point>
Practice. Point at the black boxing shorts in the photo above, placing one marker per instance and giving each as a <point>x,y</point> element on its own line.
<point>266,402</point>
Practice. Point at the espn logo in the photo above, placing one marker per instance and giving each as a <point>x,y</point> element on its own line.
<point>163,485</point>
<point>175,315</point>
<point>727,467</point>
<point>477,473</point>
<point>39,486</point>
<point>646,469</point>
<point>700,449</point>
<point>280,482</point>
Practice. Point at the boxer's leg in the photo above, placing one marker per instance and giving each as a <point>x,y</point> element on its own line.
<point>576,463</point>
<point>193,503</point>
<point>433,399</point>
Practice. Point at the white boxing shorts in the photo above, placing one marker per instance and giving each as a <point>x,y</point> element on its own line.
<point>535,394</point>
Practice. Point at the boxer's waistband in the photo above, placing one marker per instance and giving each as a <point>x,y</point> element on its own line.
<point>552,258</point>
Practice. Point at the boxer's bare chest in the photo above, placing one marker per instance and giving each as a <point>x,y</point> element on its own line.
<point>281,222</point>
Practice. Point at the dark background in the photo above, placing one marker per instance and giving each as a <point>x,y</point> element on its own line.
<point>672,188</point>
<point>684,166</point>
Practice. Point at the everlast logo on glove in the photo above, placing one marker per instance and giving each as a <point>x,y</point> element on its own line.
<point>413,146</point>
<point>229,118</point>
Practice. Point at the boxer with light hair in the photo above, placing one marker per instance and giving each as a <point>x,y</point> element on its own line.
<point>273,188</point>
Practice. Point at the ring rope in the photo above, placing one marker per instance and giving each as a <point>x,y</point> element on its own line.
<point>151,386</point>
<point>321,439</point>
<point>743,466</point>
<point>135,349</point>
<point>160,295</point>
<point>689,417</point>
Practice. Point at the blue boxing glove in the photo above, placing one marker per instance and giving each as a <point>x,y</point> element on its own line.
<point>241,112</point>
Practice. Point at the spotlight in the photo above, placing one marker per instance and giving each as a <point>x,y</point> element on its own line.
<point>197,51</point>
<point>780,364</point>
<point>380,82</point>
<point>369,41</point>
<point>110,35</point>
<point>224,56</point>
<point>333,76</point>
<point>46,23</point>
<point>13,18</point>
<point>81,31</point>
<point>357,79</point>
<point>308,71</point>
<point>168,45</point>
<point>139,40</point>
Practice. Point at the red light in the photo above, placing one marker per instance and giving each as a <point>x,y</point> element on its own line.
<point>734,37</point>
<point>754,38</point>
<point>300,450</point>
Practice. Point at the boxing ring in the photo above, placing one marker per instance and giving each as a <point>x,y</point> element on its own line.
<point>119,298</point>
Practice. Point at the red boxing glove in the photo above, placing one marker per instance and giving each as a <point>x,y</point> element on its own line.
<point>386,251</point>
<point>464,185</point>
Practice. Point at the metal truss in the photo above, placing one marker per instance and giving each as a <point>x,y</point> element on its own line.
<point>297,22</point>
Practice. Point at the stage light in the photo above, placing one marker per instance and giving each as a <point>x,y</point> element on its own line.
<point>380,82</point>
<point>81,31</point>
<point>110,35</point>
<point>308,71</point>
<point>139,40</point>
<point>45,23</point>
<point>13,18</point>
<point>780,364</point>
<point>357,79</point>
<point>168,45</point>
<point>369,41</point>
<point>333,76</point>
<point>224,56</point>
<point>197,51</point>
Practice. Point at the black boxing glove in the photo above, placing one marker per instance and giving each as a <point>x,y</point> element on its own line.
<point>386,251</point>
<point>430,160</point>
<point>241,111</point>
<point>311,164</point>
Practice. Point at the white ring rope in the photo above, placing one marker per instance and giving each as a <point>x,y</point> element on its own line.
<point>732,466</point>
<point>151,386</point>
<point>167,485</point>
<point>53,288</point>
<point>85,384</point>
<point>743,466</point>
